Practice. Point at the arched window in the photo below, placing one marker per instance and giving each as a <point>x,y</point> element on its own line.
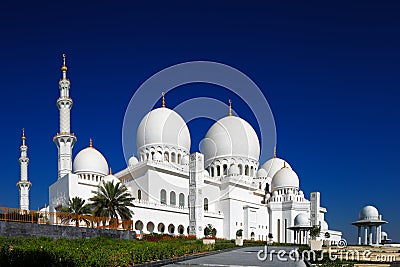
<point>240,169</point>
<point>171,229</point>
<point>161,227</point>
<point>212,171</point>
<point>251,171</point>
<point>181,200</point>
<point>179,158</point>
<point>166,156</point>
<point>163,196</point>
<point>246,170</point>
<point>173,157</point>
<point>172,198</point>
<point>139,194</point>
<point>259,185</point>
<point>206,204</point>
<point>218,171</point>
<point>225,169</point>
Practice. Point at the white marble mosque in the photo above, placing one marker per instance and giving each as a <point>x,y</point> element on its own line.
<point>179,192</point>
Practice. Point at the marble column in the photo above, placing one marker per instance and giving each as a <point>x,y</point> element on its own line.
<point>370,236</point>
<point>365,235</point>
<point>359,235</point>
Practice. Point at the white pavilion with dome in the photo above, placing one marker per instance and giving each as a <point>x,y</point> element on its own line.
<point>179,192</point>
<point>371,222</point>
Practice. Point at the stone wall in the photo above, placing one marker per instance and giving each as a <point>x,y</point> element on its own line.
<point>16,229</point>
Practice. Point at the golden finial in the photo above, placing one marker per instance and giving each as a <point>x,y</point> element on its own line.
<point>23,134</point>
<point>110,171</point>
<point>163,99</point>
<point>230,107</point>
<point>64,66</point>
<point>90,142</point>
<point>274,151</point>
<point>284,164</point>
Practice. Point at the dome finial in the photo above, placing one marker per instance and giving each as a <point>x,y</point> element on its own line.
<point>230,107</point>
<point>274,152</point>
<point>64,67</point>
<point>284,164</point>
<point>90,142</point>
<point>110,171</point>
<point>163,99</point>
<point>23,136</point>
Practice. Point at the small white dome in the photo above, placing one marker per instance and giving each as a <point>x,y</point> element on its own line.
<point>90,160</point>
<point>230,136</point>
<point>261,173</point>
<point>110,178</point>
<point>157,156</point>
<point>324,225</point>
<point>163,126</point>
<point>132,161</point>
<point>273,165</point>
<point>285,178</point>
<point>368,213</point>
<point>384,236</point>
<point>302,219</point>
<point>234,170</point>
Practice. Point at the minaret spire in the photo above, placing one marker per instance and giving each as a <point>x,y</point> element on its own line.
<point>274,151</point>
<point>163,99</point>
<point>23,184</point>
<point>64,140</point>
<point>230,107</point>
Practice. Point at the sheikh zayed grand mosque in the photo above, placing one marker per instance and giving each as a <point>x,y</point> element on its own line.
<point>178,192</point>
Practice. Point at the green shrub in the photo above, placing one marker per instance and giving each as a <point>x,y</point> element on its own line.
<point>92,252</point>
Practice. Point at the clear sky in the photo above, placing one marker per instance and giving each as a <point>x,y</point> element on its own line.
<point>329,70</point>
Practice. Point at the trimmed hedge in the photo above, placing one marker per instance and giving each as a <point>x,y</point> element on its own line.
<point>96,252</point>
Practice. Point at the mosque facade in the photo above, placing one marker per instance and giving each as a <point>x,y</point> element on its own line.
<point>179,192</point>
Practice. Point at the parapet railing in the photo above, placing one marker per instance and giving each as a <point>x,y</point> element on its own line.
<point>64,219</point>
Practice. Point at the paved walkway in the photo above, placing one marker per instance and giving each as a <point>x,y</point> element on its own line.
<point>246,257</point>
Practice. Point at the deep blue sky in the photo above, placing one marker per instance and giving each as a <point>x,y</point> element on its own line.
<point>329,69</point>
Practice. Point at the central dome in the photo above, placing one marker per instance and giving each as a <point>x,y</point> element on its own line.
<point>163,126</point>
<point>230,136</point>
<point>90,160</point>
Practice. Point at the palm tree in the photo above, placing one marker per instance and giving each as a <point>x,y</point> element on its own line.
<point>112,200</point>
<point>73,212</point>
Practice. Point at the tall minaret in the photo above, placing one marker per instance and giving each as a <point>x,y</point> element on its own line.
<point>24,185</point>
<point>64,140</point>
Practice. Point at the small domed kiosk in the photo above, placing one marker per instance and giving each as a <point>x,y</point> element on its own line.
<point>301,226</point>
<point>369,219</point>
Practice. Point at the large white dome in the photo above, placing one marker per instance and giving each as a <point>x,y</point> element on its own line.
<point>285,178</point>
<point>163,126</point>
<point>230,136</point>
<point>368,213</point>
<point>273,165</point>
<point>90,160</point>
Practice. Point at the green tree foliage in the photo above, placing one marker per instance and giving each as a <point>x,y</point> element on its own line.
<point>76,208</point>
<point>112,200</point>
<point>209,230</point>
